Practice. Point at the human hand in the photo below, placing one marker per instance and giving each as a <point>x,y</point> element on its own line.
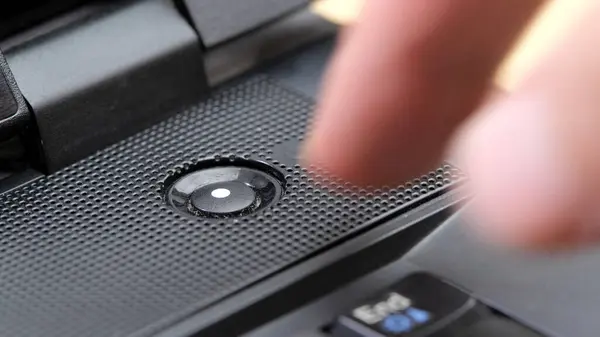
<point>410,74</point>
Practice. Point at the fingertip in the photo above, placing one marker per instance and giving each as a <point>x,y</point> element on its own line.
<point>526,193</point>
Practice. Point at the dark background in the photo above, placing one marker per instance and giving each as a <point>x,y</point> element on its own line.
<point>22,14</point>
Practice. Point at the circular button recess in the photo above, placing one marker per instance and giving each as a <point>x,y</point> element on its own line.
<point>225,190</point>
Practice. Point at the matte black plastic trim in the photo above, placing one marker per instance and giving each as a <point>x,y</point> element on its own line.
<point>219,21</point>
<point>21,16</point>
<point>16,180</point>
<point>14,113</point>
<point>108,78</point>
<point>320,275</point>
<point>285,36</point>
<point>498,327</point>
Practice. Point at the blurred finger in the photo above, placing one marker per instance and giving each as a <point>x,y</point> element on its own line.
<point>534,157</point>
<point>407,76</point>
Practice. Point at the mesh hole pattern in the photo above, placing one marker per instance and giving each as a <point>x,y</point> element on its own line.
<point>94,251</point>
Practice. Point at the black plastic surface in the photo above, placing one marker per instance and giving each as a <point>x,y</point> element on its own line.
<point>419,303</point>
<point>93,250</point>
<point>108,77</point>
<point>21,15</point>
<point>315,319</point>
<point>300,286</point>
<point>304,71</point>
<point>555,294</point>
<point>262,46</point>
<point>8,104</point>
<point>497,327</point>
<point>14,114</point>
<point>220,20</point>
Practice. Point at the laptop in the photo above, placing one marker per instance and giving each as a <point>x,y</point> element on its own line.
<point>150,186</point>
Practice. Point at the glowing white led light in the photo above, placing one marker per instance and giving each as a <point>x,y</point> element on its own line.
<point>220,193</point>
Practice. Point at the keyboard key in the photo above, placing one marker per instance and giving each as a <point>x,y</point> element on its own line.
<point>419,303</point>
<point>397,324</point>
<point>418,316</point>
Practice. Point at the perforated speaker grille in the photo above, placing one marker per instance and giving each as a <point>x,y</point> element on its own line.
<point>94,251</point>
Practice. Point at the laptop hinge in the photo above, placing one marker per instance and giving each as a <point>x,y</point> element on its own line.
<point>104,78</point>
<point>14,114</point>
<point>17,151</point>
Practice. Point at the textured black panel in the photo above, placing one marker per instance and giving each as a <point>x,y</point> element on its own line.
<point>93,250</point>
